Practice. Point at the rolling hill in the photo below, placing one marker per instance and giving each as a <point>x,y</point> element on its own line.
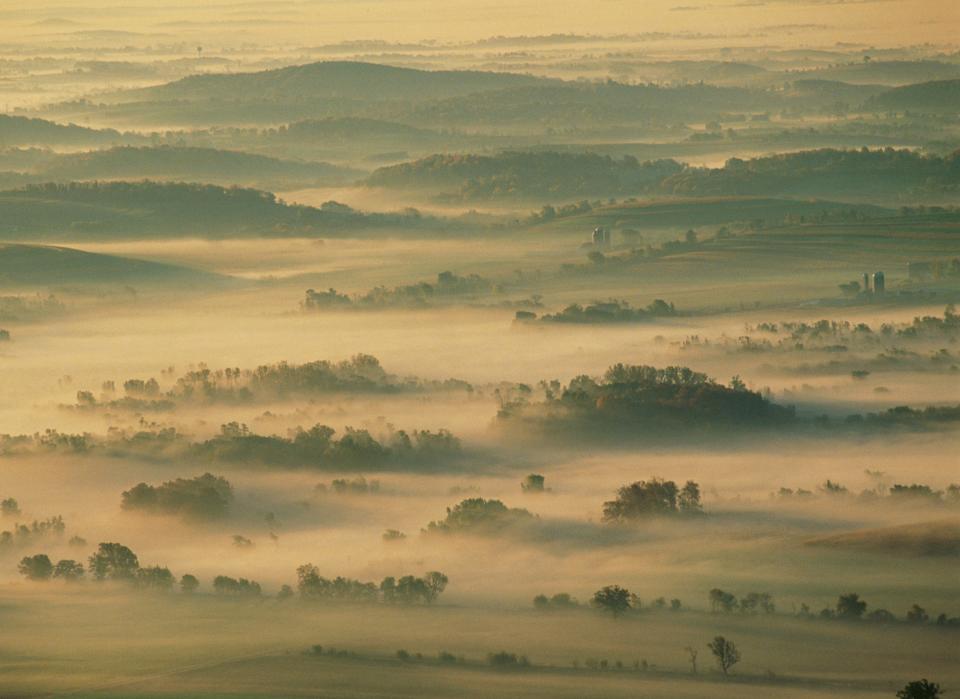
<point>543,176</point>
<point>443,99</point>
<point>939,97</point>
<point>901,72</point>
<point>705,211</point>
<point>41,265</point>
<point>175,163</point>
<point>331,80</point>
<point>936,538</point>
<point>548,177</point>
<point>23,131</point>
<point>854,175</point>
<point>132,210</point>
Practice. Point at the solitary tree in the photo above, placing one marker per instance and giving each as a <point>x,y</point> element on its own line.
<point>850,606</point>
<point>36,567</point>
<point>692,652</point>
<point>642,499</point>
<point>436,584</point>
<point>725,652</point>
<point>917,615</point>
<point>114,562</point>
<point>533,483</point>
<point>613,599</point>
<point>189,583</point>
<point>9,507</point>
<point>920,689</point>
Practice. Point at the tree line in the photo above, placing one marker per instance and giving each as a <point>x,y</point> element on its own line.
<point>117,563</point>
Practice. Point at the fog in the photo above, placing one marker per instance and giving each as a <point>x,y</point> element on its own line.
<point>422,349</point>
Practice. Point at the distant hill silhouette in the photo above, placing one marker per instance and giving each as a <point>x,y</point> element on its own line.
<point>938,96</point>
<point>189,164</point>
<point>934,538</point>
<point>544,175</point>
<point>334,80</point>
<point>110,210</point>
<point>862,175</point>
<point>22,131</point>
<point>888,72</point>
<point>436,99</point>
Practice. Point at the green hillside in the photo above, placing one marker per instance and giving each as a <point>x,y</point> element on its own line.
<point>939,96</point>
<point>41,265</point>
<point>103,210</point>
<point>189,164</point>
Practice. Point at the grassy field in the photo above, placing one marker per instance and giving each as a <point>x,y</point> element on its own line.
<point>185,647</point>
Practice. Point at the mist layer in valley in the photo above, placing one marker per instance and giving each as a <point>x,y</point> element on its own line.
<point>433,350</point>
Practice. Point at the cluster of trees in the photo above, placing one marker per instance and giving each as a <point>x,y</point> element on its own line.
<point>9,507</point>
<point>355,486</point>
<point>315,447</point>
<point>362,373</point>
<point>799,335</point>
<point>549,212</point>
<point>644,400</point>
<point>656,497</point>
<point>751,603</point>
<point>890,354</point>
<point>40,567</point>
<point>903,417</point>
<point>447,286</point>
<point>898,492</point>
<point>236,587</point>
<point>407,589</point>
<point>612,311</point>
<point>611,598</point>
<point>23,534</point>
<point>503,659</point>
<point>618,600</point>
<point>534,483</point>
<point>851,607</point>
<point>599,262</point>
<point>560,600</point>
<point>203,497</point>
<point>392,535</point>
<point>21,308</point>
<point>480,516</point>
<point>117,563</point>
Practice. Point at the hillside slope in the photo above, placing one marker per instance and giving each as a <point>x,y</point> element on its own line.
<point>42,265</point>
<point>939,96</point>
<point>333,80</point>
<point>131,210</point>
<point>224,167</point>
